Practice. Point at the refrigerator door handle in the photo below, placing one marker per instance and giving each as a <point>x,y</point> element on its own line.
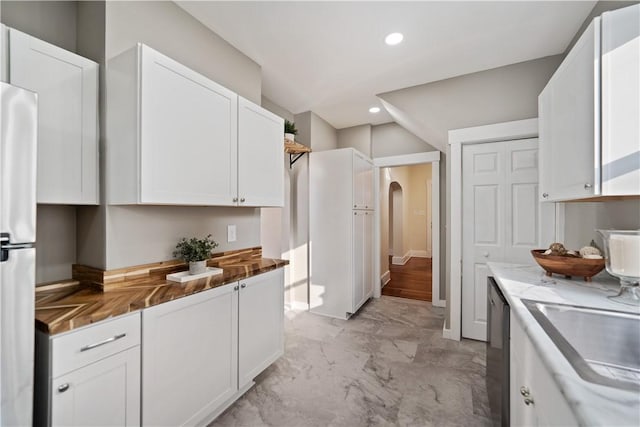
<point>6,246</point>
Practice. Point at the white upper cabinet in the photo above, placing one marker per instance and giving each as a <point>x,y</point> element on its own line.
<point>67,88</point>
<point>176,137</point>
<point>589,127</point>
<point>362,182</point>
<point>260,159</point>
<point>171,133</point>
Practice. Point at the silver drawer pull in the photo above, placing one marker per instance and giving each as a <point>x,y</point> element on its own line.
<point>107,341</point>
<point>62,388</point>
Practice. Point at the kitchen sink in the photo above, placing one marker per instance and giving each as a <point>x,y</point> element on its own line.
<point>603,346</point>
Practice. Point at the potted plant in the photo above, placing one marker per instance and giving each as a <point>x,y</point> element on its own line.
<point>290,130</point>
<point>196,252</point>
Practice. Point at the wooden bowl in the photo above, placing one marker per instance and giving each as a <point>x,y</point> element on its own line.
<point>568,266</point>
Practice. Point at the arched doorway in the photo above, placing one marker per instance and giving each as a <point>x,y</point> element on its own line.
<point>395,220</point>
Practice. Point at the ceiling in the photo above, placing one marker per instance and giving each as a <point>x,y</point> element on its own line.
<point>330,57</point>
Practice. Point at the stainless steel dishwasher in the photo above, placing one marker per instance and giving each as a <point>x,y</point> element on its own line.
<point>497,376</point>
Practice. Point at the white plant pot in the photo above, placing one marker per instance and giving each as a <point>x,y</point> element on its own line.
<point>290,136</point>
<point>197,267</point>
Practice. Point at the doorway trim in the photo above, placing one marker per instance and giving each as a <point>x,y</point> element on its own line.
<point>432,157</point>
<point>518,129</point>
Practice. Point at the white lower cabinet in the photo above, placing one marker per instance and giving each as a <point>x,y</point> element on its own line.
<point>261,324</point>
<point>201,352</point>
<point>189,357</point>
<point>89,376</point>
<point>105,393</point>
<point>535,399</point>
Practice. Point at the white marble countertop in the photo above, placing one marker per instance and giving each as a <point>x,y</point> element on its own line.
<point>592,404</point>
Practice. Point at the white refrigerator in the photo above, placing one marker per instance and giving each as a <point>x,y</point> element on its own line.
<point>18,145</point>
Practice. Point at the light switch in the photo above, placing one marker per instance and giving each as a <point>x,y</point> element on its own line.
<point>231,233</point>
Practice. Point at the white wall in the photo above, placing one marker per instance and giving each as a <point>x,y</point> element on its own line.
<point>277,109</point>
<point>358,137</point>
<point>392,139</point>
<point>167,28</point>
<point>582,219</point>
<point>55,242</point>
<point>493,96</point>
<point>323,135</point>
<point>52,21</point>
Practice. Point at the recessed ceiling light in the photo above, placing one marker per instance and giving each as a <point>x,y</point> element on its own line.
<point>393,39</point>
<point>374,110</point>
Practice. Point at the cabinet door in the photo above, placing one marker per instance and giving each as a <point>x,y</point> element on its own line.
<point>358,285</point>
<point>188,131</point>
<point>570,123</point>
<point>260,156</point>
<point>362,183</point>
<point>104,393</point>
<point>67,88</point>
<point>260,324</point>
<point>621,101</point>
<point>189,357</point>
<point>367,256</point>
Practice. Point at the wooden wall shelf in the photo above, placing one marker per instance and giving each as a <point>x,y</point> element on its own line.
<point>295,151</point>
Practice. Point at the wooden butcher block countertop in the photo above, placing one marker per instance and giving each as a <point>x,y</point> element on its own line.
<point>70,304</point>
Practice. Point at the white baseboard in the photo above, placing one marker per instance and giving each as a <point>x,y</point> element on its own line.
<point>439,303</point>
<point>446,333</point>
<point>385,278</point>
<point>401,260</point>
<point>419,253</point>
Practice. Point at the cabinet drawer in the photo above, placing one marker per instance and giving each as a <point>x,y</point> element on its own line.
<point>79,348</point>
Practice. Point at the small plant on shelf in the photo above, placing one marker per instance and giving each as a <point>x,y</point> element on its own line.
<point>290,130</point>
<point>196,252</point>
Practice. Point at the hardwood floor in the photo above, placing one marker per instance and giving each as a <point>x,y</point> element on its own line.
<point>412,280</point>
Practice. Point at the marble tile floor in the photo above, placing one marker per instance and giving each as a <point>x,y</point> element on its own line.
<point>386,366</point>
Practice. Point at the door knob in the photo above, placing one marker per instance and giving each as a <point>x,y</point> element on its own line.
<point>235,199</point>
<point>64,387</point>
<point>486,254</point>
<point>545,195</point>
<point>524,391</point>
<point>242,200</point>
<point>587,186</point>
<point>244,285</point>
<point>528,401</point>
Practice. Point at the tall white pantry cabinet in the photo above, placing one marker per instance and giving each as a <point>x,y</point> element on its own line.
<point>341,231</point>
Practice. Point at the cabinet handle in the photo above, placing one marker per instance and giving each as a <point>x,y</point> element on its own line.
<point>366,207</point>
<point>355,206</point>
<point>528,401</point>
<point>244,285</point>
<point>235,288</point>
<point>101,343</point>
<point>545,195</point>
<point>587,186</point>
<point>524,390</point>
<point>242,200</point>
<point>235,199</point>
<point>62,388</point>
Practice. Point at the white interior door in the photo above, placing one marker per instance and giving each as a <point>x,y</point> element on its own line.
<point>502,219</point>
